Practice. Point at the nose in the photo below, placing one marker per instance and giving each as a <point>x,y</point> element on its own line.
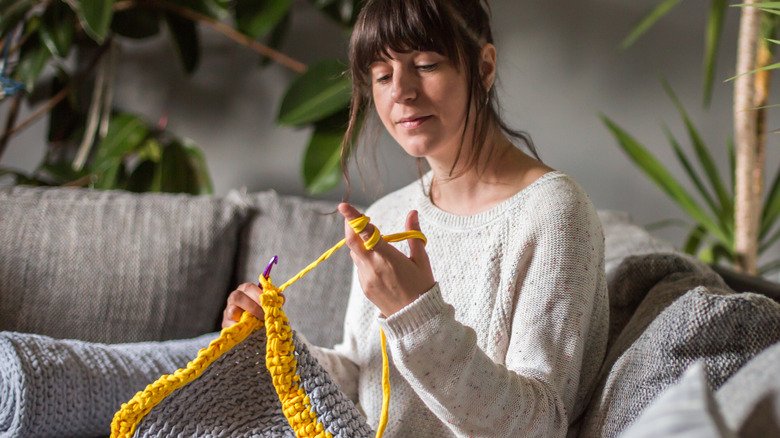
<point>404,86</point>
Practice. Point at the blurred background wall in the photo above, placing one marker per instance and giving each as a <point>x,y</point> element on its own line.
<point>559,68</point>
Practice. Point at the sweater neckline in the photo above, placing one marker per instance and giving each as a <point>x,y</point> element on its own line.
<point>433,213</point>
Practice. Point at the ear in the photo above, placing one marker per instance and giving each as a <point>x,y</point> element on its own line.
<point>487,65</point>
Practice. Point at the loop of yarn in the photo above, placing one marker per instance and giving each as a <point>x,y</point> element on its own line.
<point>280,357</point>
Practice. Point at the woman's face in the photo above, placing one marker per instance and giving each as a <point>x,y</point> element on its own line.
<point>421,99</point>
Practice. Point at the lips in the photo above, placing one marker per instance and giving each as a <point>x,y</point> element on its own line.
<point>413,122</point>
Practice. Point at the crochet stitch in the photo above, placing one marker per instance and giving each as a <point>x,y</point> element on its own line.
<point>280,358</point>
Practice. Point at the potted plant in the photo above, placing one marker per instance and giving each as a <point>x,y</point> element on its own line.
<point>59,56</point>
<point>738,221</point>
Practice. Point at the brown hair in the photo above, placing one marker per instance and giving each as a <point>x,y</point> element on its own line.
<point>457,29</point>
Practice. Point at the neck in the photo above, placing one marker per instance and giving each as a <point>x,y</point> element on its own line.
<point>503,170</point>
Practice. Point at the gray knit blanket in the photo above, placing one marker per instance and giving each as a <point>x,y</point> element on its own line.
<point>66,388</point>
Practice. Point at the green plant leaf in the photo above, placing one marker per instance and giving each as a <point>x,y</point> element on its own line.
<point>203,185</point>
<point>648,21</point>
<point>714,30</point>
<point>661,177</point>
<point>137,23</point>
<point>96,17</point>
<point>769,268</point>
<point>58,28</point>
<point>713,254</point>
<point>175,170</point>
<point>319,92</point>
<point>705,159</point>
<point>771,210</point>
<point>12,12</point>
<point>691,172</point>
<point>151,150</point>
<point>126,134</point>
<point>33,56</point>
<point>322,161</point>
<point>112,175</point>
<point>61,173</point>
<point>695,237</point>
<point>184,33</point>
<point>142,179</point>
<point>769,242</point>
<point>256,18</point>
<point>768,67</point>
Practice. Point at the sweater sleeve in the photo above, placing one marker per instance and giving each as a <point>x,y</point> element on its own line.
<point>532,391</point>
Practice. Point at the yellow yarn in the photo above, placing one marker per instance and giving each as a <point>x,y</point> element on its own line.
<point>279,357</point>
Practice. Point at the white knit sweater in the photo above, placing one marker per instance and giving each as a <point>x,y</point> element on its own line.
<point>509,341</point>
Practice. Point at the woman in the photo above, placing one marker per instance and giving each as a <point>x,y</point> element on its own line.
<point>496,327</point>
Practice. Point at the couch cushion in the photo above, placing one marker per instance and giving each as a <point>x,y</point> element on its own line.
<point>651,353</point>
<point>114,266</point>
<point>299,230</point>
<point>750,400</point>
<point>687,409</point>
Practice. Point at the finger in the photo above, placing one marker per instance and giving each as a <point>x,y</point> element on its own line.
<point>351,213</point>
<point>416,246</point>
<point>251,290</point>
<point>247,298</point>
<point>232,314</point>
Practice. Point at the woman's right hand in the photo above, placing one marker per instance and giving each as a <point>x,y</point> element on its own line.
<point>246,297</point>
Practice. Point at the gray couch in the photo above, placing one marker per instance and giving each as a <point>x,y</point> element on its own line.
<point>109,268</point>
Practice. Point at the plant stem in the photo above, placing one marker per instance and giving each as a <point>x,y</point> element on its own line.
<point>220,27</point>
<point>747,206</point>
<point>40,112</point>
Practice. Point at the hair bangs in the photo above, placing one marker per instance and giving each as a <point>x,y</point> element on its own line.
<point>411,25</point>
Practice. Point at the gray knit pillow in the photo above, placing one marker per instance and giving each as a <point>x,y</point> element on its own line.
<point>750,400</point>
<point>686,409</point>
<point>299,231</point>
<point>114,266</point>
<point>724,330</point>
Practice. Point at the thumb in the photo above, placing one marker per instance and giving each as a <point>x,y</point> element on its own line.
<point>416,246</point>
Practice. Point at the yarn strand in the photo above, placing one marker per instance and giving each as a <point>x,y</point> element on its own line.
<point>280,359</point>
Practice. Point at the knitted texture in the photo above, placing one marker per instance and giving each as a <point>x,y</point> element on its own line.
<point>754,388</point>
<point>280,360</point>
<point>510,340</point>
<point>78,263</point>
<point>685,316</point>
<point>235,397</point>
<point>64,388</point>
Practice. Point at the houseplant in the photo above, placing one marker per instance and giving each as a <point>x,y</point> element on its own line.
<point>59,56</point>
<point>738,224</point>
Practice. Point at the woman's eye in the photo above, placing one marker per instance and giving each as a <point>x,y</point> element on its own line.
<point>427,67</point>
<point>383,79</point>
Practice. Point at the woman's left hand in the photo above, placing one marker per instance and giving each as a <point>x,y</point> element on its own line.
<point>388,278</point>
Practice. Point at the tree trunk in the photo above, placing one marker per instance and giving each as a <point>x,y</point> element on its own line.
<point>748,137</point>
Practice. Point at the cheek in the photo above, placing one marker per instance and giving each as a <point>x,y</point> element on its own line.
<point>382,106</point>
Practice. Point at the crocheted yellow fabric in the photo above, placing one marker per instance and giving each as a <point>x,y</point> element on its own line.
<point>280,359</point>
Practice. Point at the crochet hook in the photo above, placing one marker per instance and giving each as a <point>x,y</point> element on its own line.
<point>267,272</point>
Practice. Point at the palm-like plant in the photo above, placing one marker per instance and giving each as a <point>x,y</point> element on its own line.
<point>738,224</point>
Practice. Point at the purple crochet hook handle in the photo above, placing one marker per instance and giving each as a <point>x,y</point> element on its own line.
<point>267,272</point>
